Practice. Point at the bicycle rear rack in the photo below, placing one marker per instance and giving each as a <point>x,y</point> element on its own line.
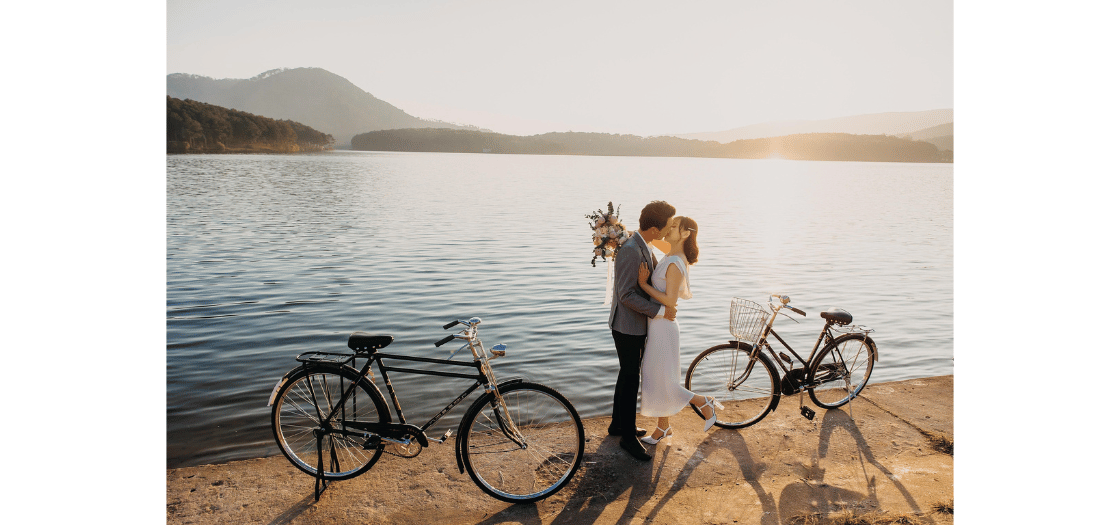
<point>853,329</point>
<point>329,358</point>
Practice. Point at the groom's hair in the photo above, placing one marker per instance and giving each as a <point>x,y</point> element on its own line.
<point>656,215</point>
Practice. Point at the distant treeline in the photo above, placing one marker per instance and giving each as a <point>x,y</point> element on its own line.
<point>809,146</point>
<point>199,127</point>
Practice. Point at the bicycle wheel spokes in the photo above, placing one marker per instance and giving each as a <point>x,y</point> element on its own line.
<point>300,417</point>
<point>536,452</point>
<point>745,386</point>
<point>842,371</point>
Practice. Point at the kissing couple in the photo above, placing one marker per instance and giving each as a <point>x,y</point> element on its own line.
<point>643,324</point>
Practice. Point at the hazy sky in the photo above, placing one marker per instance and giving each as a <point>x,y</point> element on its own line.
<point>621,67</point>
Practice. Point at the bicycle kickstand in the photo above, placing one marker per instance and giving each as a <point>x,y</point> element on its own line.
<point>321,481</point>
<point>851,402</point>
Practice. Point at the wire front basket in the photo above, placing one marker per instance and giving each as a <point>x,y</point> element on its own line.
<point>748,320</point>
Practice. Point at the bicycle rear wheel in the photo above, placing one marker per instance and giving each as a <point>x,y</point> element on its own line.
<point>526,451</point>
<point>841,370</point>
<point>300,412</point>
<point>748,388</point>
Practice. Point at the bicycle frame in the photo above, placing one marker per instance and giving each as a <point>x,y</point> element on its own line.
<point>480,378</point>
<point>484,375</point>
<point>781,358</point>
<point>825,336</point>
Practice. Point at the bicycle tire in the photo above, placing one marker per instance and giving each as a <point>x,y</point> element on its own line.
<point>848,356</point>
<point>302,402</point>
<point>718,372</point>
<point>553,433</point>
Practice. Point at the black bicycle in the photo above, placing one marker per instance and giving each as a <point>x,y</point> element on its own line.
<point>520,442</point>
<point>741,376</point>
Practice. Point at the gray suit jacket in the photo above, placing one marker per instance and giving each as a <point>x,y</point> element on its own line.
<point>631,305</point>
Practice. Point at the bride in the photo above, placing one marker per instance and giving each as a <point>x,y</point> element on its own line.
<point>662,393</point>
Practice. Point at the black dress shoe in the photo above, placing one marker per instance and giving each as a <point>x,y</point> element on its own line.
<point>638,432</point>
<point>635,449</point>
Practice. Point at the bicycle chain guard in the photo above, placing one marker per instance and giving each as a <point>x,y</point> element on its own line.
<point>410,448</point>
<point>405,441</point>
<point>792,381</point>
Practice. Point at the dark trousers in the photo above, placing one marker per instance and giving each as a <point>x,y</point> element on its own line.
<point>629,348</point>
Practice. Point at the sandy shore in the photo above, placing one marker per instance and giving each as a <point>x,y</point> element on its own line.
<point>878,457</point>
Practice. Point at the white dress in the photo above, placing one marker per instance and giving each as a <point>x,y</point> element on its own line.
<point>662,393</point>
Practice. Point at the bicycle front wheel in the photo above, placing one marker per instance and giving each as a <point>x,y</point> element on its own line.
<point>526,450</point>
<point>841,370</point>
<point>306,432</point>
<point>747,387</point>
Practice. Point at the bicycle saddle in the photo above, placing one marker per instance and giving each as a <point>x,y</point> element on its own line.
<point>365,342</point>
<point>837,315</point>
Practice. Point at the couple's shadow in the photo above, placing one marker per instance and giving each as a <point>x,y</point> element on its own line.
<point>610,476</point>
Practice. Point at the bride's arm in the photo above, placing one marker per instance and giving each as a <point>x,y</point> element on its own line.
<point>672,284</point>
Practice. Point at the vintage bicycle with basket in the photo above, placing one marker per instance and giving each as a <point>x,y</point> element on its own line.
<point>520,441</point>
<point>742,375</point>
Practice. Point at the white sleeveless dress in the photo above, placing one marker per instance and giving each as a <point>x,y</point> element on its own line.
<point>662,393</point>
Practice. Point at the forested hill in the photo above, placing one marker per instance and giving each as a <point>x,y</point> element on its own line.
<point>807,146</point>
<point>313,96</point>
<point>198,127</point>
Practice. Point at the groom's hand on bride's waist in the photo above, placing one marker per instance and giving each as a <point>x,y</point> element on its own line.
<point>670,312</point>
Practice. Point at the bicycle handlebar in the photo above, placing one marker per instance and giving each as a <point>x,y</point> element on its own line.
<point>785,303</point>
<point>470,324</point>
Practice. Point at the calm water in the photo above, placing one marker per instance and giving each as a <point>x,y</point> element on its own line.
<point>269,256</point>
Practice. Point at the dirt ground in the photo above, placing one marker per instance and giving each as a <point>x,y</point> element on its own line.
<point>879,456</point>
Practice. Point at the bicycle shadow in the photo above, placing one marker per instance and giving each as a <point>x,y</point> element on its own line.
<point>294,511</point>
<point>733,442</point>
<point>825,498</point>
<point>606,475</point>
<point>610,475</point>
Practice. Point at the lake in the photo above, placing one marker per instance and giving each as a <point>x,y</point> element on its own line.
<point>269,256</point>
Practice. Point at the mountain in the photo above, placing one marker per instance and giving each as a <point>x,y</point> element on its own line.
<point>895,123</point>
<point>940,136</point>
<point>313,96</point>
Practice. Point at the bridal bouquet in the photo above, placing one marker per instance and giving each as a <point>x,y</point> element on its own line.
<point>608,233</point>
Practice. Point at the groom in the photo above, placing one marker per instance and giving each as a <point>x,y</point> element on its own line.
<point>629,310</point>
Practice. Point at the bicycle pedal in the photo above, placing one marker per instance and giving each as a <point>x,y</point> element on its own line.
<point>442,438</point>
<point>808,413</point>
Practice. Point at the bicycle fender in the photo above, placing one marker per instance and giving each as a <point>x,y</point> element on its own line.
<point>276,389</point>
<point>874,348</point>
<point>870,343</point>
<point>461,432</point>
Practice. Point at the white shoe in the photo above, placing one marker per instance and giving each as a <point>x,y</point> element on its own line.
<point>709,402</point>
<point>665,433</point>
